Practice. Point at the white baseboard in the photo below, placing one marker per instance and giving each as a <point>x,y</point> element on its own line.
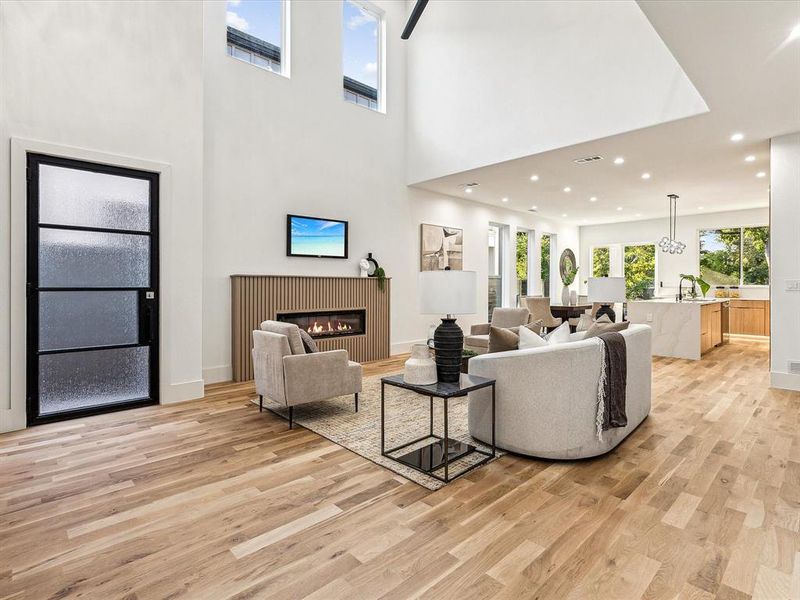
<point>217,374</point>
<point>180,392</point>
<point>404,347</point>
<point>784,381</point>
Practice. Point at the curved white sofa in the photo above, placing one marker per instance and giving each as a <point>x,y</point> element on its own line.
<point>546,399</point>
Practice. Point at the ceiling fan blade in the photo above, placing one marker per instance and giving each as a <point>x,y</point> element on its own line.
<point>412,20</point>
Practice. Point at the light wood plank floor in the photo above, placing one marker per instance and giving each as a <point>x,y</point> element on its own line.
<point>211,499</point>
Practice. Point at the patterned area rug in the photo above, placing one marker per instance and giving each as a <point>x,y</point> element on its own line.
<point>407,418</point>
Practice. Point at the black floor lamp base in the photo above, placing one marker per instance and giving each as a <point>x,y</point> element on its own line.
<point>448,341</point>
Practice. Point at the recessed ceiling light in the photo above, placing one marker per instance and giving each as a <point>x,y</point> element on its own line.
<point>700,207</point>
<point>761,174</point>
<point>737,137</point>
<point>534,207</point>
<point>638,214</point>
<point>567,189</point>
<point>645,175</point>
<point>534,178</point>
<point>593,199</point>
<point>563,215</point>
<point>794,34</point>
<point>468,190</point>
<point>619,160</point>
<point>504,199</point>
<point>749,158</point>
<point>619,208</point>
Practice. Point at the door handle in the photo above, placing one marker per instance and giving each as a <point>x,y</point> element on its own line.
<point>147,323</point>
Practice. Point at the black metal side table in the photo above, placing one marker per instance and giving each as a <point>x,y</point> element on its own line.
<point>428,459</point>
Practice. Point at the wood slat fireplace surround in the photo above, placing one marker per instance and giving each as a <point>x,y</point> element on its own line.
<point>256,298</point>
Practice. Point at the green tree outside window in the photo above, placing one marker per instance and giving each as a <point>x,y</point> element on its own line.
<point>755,258</point>
<point>735,256</point>
<point>545,265</point>
<point>601,262</point>
<point>640,269</point>
<point>720,256</point>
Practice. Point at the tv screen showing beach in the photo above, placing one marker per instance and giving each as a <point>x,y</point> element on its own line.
<point>317,237</point>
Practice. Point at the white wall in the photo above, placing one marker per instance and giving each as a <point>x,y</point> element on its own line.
<point>785,263</point>
<point>148,84</point>
<point>116,80</point>
<point>494,80</point>
<point>275,145</point>
<point>669,266</point>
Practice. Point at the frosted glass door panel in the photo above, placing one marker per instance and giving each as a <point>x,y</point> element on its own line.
<point>76,380</point>
<point>70,258</point>
<point>84,319</point>
<point>92,288</point>
<point>89,199</point>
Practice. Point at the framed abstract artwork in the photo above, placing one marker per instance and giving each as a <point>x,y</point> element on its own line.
<point>441,248</point>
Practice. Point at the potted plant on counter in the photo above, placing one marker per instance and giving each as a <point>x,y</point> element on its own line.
<point>696,280</point>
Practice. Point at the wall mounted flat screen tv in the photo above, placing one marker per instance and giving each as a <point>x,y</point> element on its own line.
<point>319,238</point>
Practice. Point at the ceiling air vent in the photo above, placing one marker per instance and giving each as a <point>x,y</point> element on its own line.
<point>587,159</point>
<point>794,367</point>
<point>533,210</point>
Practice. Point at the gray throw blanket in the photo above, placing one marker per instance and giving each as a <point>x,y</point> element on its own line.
<point>613,379</point>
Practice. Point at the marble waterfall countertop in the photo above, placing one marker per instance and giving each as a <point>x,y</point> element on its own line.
<point>709,300</point>
<point>675,325</point>
<point>689,302</point>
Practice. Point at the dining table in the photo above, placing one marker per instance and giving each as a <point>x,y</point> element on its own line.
<point>569,311</point>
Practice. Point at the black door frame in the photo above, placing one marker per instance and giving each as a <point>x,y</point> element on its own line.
<point>148,307</point>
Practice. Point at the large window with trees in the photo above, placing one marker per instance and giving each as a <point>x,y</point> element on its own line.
<point>601,261</point>
<point>735,255</point>
<point>640,270</point>
<point>523,250</point>
<point>544,265</point>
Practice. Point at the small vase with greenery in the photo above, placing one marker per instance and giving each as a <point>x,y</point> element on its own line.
<point>567,278</point>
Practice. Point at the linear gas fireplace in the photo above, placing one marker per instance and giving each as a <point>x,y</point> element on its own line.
<point>357,308</point>
<point>328,323</point>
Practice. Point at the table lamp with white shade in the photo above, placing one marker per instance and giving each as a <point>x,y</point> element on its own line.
<point>606,291</point>
<point>448,293</point>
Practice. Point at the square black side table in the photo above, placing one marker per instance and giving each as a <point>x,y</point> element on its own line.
<point>432,457</point>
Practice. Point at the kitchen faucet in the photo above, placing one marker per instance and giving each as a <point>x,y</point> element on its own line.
<point>680,289</point>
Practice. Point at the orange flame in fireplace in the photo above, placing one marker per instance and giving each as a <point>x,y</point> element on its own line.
<point>320,328</point>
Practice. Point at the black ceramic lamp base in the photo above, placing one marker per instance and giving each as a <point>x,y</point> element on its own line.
<point>605,309</point>
<point>448,341</point>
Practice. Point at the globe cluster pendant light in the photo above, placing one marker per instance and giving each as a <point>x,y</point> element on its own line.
<point>670,244</point>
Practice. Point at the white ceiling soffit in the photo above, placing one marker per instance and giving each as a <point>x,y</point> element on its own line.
<point>492,81</point>
<point>739,56</point>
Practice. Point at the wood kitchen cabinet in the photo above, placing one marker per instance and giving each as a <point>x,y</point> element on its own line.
<point>749,317</point>
<point>710,326</point>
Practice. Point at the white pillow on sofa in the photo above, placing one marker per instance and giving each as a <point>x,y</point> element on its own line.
<point>577,336</point>
<point>529,339</point>
<point>560,335</point>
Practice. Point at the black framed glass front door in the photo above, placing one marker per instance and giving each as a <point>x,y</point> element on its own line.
<point>92,330</point>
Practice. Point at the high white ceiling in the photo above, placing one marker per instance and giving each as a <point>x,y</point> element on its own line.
<point>741,59</point>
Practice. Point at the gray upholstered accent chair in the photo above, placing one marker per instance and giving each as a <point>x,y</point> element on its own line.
<point>539,307</point>
<point>478,338</point>
<point>289,376</point>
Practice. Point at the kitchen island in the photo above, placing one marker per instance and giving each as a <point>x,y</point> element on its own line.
<point>681,329</point>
